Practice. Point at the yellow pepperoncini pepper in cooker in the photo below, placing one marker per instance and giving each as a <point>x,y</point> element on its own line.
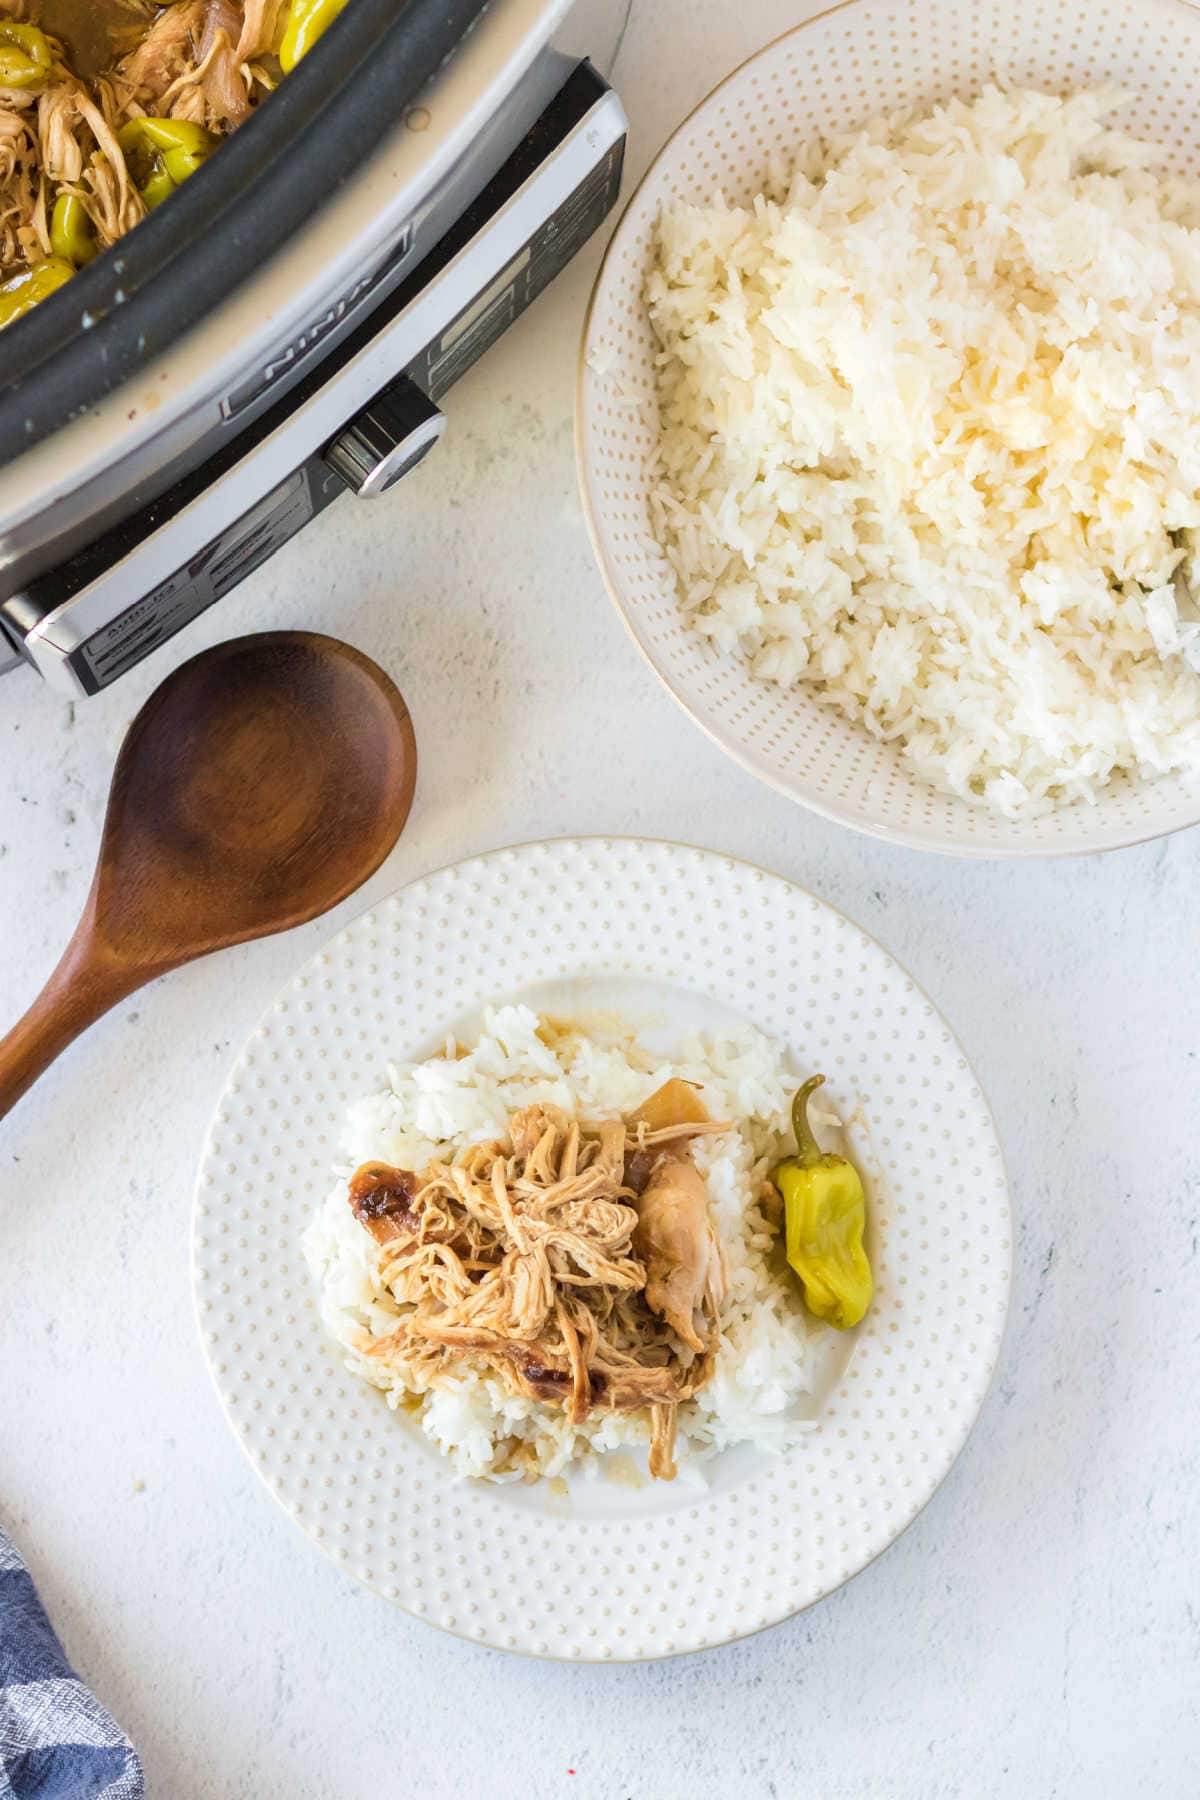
<point>163,152</point>
<point>26,55</point>
<point>306,20</point>
<point>825,1213</point>
<point>21,293</point>
<point>72,235</point>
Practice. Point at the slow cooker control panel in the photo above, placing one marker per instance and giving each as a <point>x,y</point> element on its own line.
<point>363,417</point>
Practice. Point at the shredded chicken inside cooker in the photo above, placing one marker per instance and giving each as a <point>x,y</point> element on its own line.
<point>202,64</point>
<point>579,1264</point>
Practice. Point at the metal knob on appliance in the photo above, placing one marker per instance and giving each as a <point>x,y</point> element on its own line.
<point>387,439</point>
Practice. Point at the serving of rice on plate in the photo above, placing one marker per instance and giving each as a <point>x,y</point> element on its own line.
<point>591,1070</point>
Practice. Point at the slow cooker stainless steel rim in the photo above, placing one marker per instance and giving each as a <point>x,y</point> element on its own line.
<point>79,477</point>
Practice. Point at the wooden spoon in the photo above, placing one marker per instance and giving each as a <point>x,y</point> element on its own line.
<point>258,786</point>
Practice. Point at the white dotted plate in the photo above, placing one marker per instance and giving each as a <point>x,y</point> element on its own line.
<point>832,74</point>
<point>513,1567</point>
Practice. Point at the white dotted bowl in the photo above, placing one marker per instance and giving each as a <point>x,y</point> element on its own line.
<point>623,1573</point>
<point>832,74</point>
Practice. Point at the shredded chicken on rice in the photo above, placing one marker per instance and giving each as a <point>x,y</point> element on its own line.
<point>578,1264</point>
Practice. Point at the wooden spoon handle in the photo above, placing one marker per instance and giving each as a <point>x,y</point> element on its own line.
<point>81,989</point>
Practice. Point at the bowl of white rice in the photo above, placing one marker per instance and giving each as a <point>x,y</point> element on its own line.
<point>889,421</point>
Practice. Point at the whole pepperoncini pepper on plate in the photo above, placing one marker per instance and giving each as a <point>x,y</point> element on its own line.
<point>825,1214</point>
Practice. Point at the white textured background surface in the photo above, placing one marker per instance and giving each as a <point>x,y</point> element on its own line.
<point>1037,1632</point>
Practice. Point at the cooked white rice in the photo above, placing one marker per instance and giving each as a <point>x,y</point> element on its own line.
<point>930,441</point>
<point>436,1107</point>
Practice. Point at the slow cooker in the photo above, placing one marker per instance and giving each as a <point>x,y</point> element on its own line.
<point>283,332</point>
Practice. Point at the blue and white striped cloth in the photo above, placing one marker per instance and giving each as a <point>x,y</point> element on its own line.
<point>56,1740</point>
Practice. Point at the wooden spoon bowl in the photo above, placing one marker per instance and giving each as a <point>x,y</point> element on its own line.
<point>259,785</point>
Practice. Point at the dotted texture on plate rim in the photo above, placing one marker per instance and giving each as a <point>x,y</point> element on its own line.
<point>365,1485</point>
<point>832,74</point>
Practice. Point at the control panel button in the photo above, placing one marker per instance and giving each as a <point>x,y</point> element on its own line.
<point>386,440</point>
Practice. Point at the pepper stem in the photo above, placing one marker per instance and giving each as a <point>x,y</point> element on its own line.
<point>807,1148</point>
